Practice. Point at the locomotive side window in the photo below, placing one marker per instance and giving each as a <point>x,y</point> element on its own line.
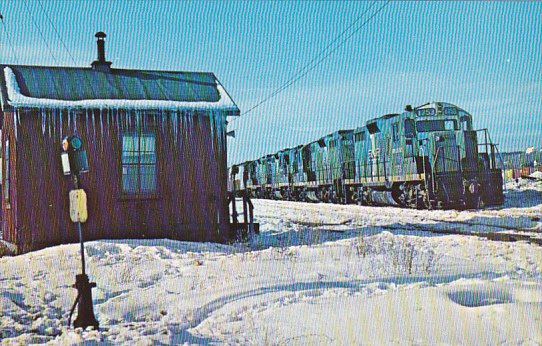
<point>409,128</point>
<point>450,111</point>
<point>436,125</point>
<point>466,123</point>
<point>372,128</point>
<point>395,132</point>
<point>285,162</point>
<point>360,136</point>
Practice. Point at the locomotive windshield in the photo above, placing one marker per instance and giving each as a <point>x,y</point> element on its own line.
<point>436,125</point>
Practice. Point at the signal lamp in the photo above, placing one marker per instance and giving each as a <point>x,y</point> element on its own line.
<point>72,143</point>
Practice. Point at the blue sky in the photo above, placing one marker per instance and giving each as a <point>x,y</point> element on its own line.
<point>486,57</point>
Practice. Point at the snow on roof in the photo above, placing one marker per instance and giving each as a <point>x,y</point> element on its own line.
<point>18,100</point>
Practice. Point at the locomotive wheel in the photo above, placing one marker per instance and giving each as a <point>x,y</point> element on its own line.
<point>422,200</point>
<point>358,196</point>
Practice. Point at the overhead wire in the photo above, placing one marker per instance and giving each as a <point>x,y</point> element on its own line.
<point>315,59</point>
<point>87,78</point>
<point>56,31</point>
<point>39,31</point>
<point>9,39</point>
<point>322,56</point>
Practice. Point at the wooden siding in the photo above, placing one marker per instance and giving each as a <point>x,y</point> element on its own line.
<point>190,202</point>
<point>9,208</point>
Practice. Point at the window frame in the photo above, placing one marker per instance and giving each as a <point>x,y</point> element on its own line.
<point>359,136</point>
<point>139,193</point>
<point>436,125</point>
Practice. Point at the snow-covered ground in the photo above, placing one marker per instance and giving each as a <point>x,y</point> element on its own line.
<point>318,274</point>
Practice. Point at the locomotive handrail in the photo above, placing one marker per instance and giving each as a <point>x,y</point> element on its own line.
<point>494,147</point>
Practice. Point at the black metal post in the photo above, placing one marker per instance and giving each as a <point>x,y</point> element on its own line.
<point>76,186</point>
<point>85,309</point>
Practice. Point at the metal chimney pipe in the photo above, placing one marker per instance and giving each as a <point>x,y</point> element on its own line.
<point>101,45</point>
<point>100,64</point>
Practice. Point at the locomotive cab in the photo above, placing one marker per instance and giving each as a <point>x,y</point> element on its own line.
<point>459,175</point>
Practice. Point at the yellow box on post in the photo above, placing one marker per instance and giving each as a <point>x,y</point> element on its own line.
<point>78,205</point>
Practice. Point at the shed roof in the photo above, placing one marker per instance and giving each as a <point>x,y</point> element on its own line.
<point>62,87</point>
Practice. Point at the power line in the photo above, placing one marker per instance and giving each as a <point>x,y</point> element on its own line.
<point>9,40</point>
<point>315,59</point>
<point>56,32</point>
<point>40,32</point>
<point>319,58</point>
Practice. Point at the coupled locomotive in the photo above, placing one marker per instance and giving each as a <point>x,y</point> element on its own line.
<point>426,157</point>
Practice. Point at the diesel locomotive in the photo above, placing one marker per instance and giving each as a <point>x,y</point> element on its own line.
<point>426,157</point>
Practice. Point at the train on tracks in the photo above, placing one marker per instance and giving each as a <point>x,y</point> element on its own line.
<point>426,157</point>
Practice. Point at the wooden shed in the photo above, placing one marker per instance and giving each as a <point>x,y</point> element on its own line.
<point>156,147</point>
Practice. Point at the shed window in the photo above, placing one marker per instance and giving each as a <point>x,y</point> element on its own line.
<point>139,163</point>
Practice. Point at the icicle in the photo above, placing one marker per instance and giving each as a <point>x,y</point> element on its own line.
<point>93,124</point>
<point>54,123</point>
<point>15,115</point>
<point>42,115</point>
<point>118,121</point>
<point>61,126</point>
<point>175,124</point>
<point>108,123</point>
<point>74,120</point>
<point>163,120</point>
<point>49,123</point>
<point>69,119</point>
<point>86,121</point>
<point>102,129</point>
<point>212,128</point>
<point>101,125</point>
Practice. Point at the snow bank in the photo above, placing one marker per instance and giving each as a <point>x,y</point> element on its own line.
<point>17,99</point>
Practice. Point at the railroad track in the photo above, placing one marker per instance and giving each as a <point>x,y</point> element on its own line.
<point>494,236</point>
<point>510,230</point>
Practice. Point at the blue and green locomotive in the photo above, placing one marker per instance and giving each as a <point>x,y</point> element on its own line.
<point>426,157</point>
